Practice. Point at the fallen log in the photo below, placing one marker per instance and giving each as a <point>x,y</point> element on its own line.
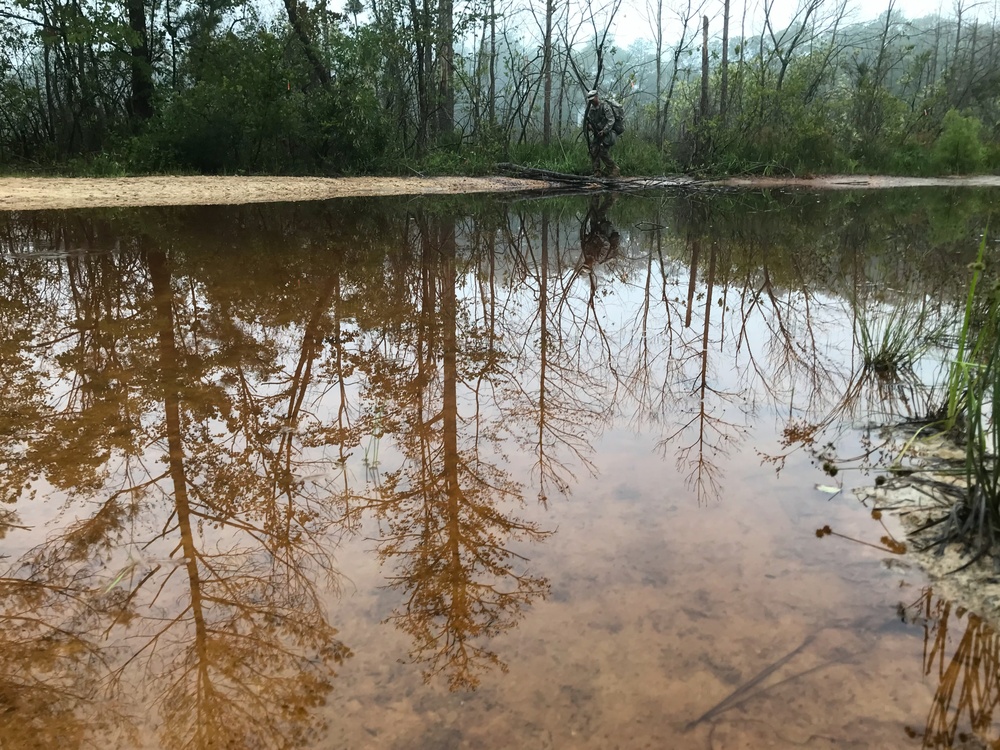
<point>589,182</point>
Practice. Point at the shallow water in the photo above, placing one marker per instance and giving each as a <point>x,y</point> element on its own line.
<point>493,474</point>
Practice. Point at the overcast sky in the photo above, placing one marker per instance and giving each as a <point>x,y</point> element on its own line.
<point>632,19</point>
<point>633,23</point>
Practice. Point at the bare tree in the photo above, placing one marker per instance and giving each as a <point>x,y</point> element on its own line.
<point>686,13</point>
<point>600,19</point>
<point>800,30</point>
<point>724,83</point>
<point>550,9</point>
<point>703,109</point>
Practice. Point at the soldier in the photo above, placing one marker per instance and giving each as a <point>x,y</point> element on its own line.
<point>599,122</point>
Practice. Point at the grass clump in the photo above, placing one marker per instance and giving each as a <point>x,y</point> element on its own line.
<point>893,338</point>
<point>972,413</point>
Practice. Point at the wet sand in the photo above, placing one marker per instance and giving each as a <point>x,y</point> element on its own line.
<point>29,193</point>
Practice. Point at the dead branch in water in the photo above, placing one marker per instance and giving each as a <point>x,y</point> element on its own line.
<point>623,184</point>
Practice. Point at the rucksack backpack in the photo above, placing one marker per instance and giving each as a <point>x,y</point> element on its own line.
<point>619,126</point>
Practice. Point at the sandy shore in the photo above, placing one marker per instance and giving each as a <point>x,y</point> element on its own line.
<point>27,193</point>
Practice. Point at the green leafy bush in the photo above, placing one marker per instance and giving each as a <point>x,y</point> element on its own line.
<point>253,105</point>
<point>912,158</point>
<point>958,149</point>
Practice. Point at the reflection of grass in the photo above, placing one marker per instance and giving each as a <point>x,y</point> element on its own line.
<point>968,690</point>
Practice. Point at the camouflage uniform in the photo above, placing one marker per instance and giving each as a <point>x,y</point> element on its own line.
<point>598,121</point>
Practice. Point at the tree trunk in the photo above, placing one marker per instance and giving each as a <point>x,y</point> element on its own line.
<point>703,110</point>
<point>493,65</point>
<point>952,85</point>
<point>302,34</point>
<point>421,25</point>
<point>141,96</point>
<point>932,78</point>
<point>547,73</point>
<point>446,70</point>
<point>659,74</point>
<point>724,88</point>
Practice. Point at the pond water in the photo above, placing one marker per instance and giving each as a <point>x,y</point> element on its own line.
<point>502,473</point>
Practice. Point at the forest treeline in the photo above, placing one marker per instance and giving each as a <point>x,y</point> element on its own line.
<point>236,86</point>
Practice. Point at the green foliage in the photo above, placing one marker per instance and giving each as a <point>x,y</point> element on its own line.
<point>911,157</point>
<point>787,130</point>
<point>991,157</point>
<point>641,157</point>
<point>878,129</point>
<point>228,119</point>
<point>973,408</point>
<point>447,161</point>
<point>98,165</point>
<point>339,97</point>
<point>816,149</point>
<point>965,379</point>
<point>958,149</point>
<point>568,157</point>
<point>634,156</point>
<point>254,108</point>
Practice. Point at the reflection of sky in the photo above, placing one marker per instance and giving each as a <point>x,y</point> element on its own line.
<point>790,358</point>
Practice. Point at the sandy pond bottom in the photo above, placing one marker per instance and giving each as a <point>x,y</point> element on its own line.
<point>669,625</point>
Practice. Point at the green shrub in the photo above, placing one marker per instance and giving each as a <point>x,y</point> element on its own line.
<point>912,158</point>
<point>958,149</point>
<point>636,156</point>
<point>817,149</point>
<point>97,165</point>
<point>991,158</point>
<point>568,155</point>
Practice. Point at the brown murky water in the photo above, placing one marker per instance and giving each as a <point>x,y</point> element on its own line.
<point>429,474</point>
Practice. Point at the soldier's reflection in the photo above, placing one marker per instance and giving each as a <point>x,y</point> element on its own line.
<point>599,239</point>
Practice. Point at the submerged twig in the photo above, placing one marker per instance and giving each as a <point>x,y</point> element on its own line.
<point>739,694</point>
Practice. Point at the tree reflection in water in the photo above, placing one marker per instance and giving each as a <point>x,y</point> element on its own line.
<point>49,666</point>
<point>214,614</point>
<point>446,531</point>
<point>200,428</point>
